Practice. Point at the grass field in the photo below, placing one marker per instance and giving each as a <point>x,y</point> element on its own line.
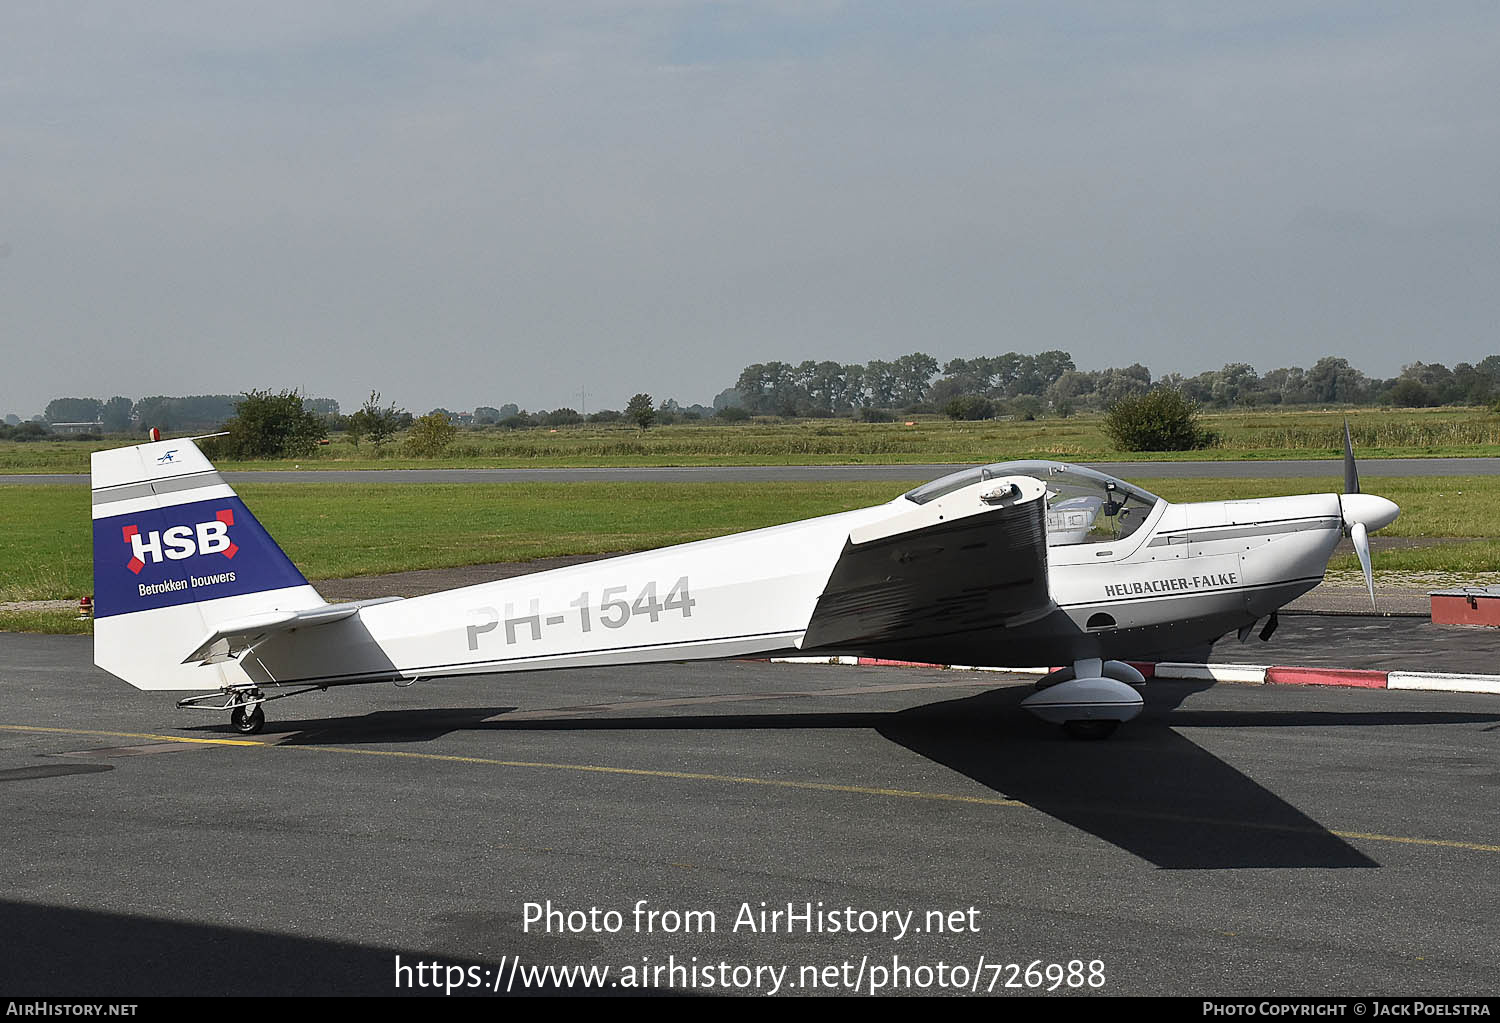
<point>341,530</point>
<point>1244,435</point>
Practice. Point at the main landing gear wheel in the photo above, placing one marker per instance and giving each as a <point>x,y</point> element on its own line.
<point>247,724</point>
<point>1090,729</point>
<point>1089,700</point>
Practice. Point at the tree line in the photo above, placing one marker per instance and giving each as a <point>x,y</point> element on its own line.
<point>209,412</point>
<point>176,414</point>
<point>1026,384</point>
<point>1015,383</point>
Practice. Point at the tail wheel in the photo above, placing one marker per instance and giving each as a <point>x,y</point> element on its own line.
<point>247,723</point>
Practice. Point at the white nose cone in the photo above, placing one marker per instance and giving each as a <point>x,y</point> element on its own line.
<point>1373,512</point>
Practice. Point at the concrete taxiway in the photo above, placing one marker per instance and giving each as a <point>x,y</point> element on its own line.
<point>1235,839</point>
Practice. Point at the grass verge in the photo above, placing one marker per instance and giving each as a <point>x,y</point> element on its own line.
<point>50,622</point>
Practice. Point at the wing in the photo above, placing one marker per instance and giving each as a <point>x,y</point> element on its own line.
<point>917,593</point>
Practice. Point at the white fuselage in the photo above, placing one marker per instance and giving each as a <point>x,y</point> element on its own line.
<point>1191,573</point>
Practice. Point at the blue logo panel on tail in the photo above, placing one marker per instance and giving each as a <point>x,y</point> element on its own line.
<point>183,554</point>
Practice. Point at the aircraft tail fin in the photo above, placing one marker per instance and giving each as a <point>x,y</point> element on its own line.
<point>176,556</point>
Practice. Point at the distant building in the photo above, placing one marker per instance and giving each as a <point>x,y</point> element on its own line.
<point>94,427</point>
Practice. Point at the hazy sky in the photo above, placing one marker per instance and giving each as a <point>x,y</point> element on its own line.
<point>463,204</point>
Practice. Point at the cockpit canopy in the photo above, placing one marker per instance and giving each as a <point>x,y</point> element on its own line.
<point>1083,505</point>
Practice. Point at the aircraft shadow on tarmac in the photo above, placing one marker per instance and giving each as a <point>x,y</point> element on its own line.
<point>382,726</point>
<point>1149,790</point>
<point>68,952</point>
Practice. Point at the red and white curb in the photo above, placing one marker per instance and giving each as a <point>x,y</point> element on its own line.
<point>1254,674</point>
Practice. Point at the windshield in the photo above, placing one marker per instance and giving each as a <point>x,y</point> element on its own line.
<point>1083,505</point>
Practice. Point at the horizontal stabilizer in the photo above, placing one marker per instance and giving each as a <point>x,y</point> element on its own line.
<point>233,637</point>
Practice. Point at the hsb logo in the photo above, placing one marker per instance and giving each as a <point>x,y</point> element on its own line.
<point>181,542</point>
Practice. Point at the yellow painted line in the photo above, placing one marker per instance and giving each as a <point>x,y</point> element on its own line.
<point>815,786</point>
<point>131,735</point>
<point>1442,842</point>
<point>594,768</point>
<point>726,779</point>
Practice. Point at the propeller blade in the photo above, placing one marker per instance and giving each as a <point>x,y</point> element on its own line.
<point>1351,474</point>
<point>1361,537</point>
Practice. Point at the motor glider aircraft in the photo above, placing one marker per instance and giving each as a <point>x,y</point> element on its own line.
<point>1029,563</point>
